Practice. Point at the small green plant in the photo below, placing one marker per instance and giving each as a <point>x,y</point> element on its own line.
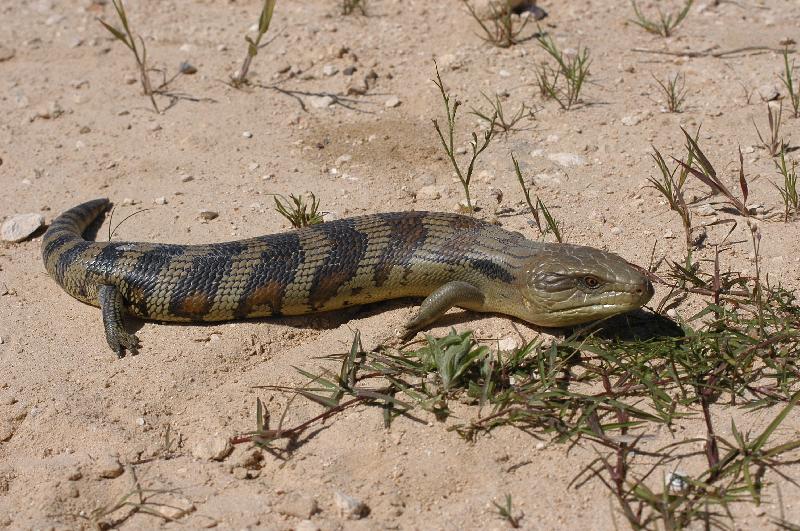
<point>538,209</point>
<point>672,189</point>
<point>666,23</point>
<point>502,29</point>
<point>297,211</point>
<point>506,512</point>
<point>126,37</point>
<point>502,123</point>
<point>570,71</point>
<point>239,78</point>
<point>792,89</point>
<point>448,141</point>
<point>773,143</point>
<point>789,191</point>
<point>350,6</point>
<point>674,90</point>
<point>700,167</point>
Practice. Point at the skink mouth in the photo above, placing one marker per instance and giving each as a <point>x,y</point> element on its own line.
<point>611,303</point>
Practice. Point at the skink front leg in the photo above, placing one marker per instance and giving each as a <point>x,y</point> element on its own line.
<point>112,307</point>
<point>455,293</point>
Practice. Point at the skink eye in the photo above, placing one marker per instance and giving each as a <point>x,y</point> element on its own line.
<point>591,282</point>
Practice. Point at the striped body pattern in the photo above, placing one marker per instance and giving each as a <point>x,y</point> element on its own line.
<point>449,259</point>
<point>319,268</point>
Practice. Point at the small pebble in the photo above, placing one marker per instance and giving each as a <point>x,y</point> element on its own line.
<point>616,231</point>
<point>768,92</point>
<point>508,343</point>
<point>208,215</point>
<point>349,70</point>
<point>187,68</point>
<point>306,525</point>
<point>567,159</point>
<point>329,70</point>
<point>299,505</point>
<point>6,53</point>
<point>393,101</point>
<point>175,508</point>
<point>108,467</point>
<point>350,507</point>
<point>430,192</point>
<point>160,200</point>
<point>321,102</point>
<point>215,448</point>
<point>247,134</point>
<point>21,227</point>
<point>6,431</point>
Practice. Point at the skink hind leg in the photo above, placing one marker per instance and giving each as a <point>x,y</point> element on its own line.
<point>455,293</point>
<point>112,307</point>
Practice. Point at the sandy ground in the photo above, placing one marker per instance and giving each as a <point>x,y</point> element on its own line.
<point>76,423</point>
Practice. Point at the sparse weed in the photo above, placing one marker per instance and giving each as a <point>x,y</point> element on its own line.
<point>448,142</point>
<point>666,23</point>
<point>789,191</point>
<point>538,210</point>
<point>126,37</point>
<point>672,189</point>
<point>503,123</point>
<point>674,90</point>
<point>350,6</point>
<point>706,173</point>
<point>774,144</point>
<point>506,512</point>
<point>502,28</point>
<point>792,89</point>
<point>297,211</point>
<point>239,78</point>
<point>571,71</point>
<point>137,500</point>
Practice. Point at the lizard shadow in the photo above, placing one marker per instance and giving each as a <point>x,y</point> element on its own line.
<point>638,325</point>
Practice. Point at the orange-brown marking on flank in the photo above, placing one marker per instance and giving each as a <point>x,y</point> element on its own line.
<point>328,287</point>
<point>270,294</point>
<point>195,304</point>
<point>462,222</point>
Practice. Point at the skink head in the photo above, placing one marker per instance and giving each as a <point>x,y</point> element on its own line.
<point>567,285</point>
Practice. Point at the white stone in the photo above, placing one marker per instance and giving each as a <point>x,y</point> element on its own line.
<point>160,200</point>
<point>214,448</point>
<point>429,193</point>
<point>488,9</point>
<point>321,102</point>
<point>306,525</point>
<point>299,505</point>
<point>769,92</point>
<point>393,101</point>
<point>20,227</point>
<point>350,507</point>
<point>567,159</point>
<point>329,70</point>
<point>508,344</point>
